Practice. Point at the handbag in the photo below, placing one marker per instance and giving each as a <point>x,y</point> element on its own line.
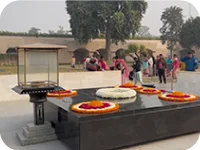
<point>131,76</point>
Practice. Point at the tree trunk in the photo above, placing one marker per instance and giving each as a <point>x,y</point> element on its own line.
<point>108,41</point>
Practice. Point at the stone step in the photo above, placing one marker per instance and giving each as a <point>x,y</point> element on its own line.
<point>30,134</point>
<point>33,127</point>
<point>34,140</point>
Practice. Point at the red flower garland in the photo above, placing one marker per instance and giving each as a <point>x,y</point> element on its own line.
<point>95,107</point>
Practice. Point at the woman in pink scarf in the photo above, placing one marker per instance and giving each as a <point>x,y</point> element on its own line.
<point>121,65</point>
<point>112,66</point>
<point>175,66</point>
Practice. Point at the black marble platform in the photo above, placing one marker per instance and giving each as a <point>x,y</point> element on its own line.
<point>144,120</point>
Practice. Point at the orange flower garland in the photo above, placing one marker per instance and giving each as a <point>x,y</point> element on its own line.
<point>95,103</point>
<point>63,93</point>
<point>178,97</point>
<point>149,91</point>
<point>131,86</point>
<point>95,107</point>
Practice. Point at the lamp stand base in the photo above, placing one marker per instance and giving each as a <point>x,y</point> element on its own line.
<point>40,130</point>
<point>33,134</point>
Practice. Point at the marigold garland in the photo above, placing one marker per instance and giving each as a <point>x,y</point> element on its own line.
<point>131,86</point>
<point>178,97</point>
<point>149,91</point>
<point>95,103</point>
<point>63,93</point>
<point>95,107</point>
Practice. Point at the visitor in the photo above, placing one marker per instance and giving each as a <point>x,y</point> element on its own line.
<point>145,65</point>
<point>73,62</point>
<point>193,55</point>
<point>156,69</point>
<point>154,65</point>
<point>102,64</point>
<point>175,66</point>
<point>137,71</point>
<point>191,64</point>
<point>96,56</point>
<point>92,65</point>
<point>169,65</point>
<point>150,66</point>
<point>120,64</point>
<point>112,66</point>
<point>85,61</point>
<point>161,66</point>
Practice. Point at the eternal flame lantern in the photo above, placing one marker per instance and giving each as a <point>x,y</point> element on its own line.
<point>38,74</point>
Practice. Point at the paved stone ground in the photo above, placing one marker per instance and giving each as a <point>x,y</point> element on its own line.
<point>14,115</point>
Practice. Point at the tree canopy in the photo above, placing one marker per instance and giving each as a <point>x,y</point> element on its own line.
<point>34,31</point>
<point>136,49</point>
<point>61,30</point>
<point>172,19</point>
<point>114,19</point>
<point>144,31</point>
<point>190,33</point>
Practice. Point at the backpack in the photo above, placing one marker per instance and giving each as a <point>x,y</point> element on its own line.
<point>92,67</point>
<point>131,76</point>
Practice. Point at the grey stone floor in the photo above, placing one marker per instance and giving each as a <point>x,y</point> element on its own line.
<point>14,115</point>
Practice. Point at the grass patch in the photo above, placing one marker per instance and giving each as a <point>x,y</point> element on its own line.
<point>5,70</point>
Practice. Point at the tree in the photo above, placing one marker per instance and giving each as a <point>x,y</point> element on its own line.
<point>144,31</point>
<point>190,33</point>
<point>172,19</point>
<point>114,19</point>
<point>136,49</point>
<point>34,31</point>
<point>61,30</point>
<point>51,32</point>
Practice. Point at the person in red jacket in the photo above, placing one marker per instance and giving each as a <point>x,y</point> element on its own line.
<point>102,63</point>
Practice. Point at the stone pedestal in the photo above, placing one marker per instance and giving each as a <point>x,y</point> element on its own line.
<point>33,134</point>
<point>39,131</point>
<point>38,103</point>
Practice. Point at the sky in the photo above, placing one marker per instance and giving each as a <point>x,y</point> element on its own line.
<point>20,16</point>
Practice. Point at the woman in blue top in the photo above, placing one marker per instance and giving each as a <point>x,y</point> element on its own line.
<point>169,65</point>
<point>145,65</point>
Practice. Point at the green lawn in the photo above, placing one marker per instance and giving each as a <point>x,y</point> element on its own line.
<point>62,68</point>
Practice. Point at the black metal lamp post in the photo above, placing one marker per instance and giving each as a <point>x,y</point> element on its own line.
<point>38,74</point>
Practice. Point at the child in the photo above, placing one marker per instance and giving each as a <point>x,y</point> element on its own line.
<point>73,62</point>
<point>175,67</point>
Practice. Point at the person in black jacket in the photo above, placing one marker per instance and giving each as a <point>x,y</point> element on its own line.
<point>154,65</point>
<point>137,70</point>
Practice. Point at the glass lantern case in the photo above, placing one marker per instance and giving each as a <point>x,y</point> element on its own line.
<point>38,66</point>
<point>38,74</point>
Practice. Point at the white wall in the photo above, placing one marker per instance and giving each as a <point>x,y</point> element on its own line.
<point>72,80</point>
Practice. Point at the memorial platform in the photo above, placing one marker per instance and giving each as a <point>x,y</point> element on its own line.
<point>145,120</point>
